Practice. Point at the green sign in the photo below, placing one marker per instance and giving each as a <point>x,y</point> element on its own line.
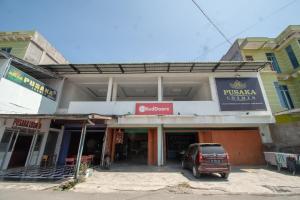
<point>21,78</point>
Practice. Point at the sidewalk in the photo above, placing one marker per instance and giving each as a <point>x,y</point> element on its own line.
<point>242,180</point>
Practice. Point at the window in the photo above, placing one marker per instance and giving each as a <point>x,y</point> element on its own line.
<point>284,96</point>
<point>7,49</point>
<point>271,57</point>
<point>292,56</point>
<point>249,58</point>
<point>212,149</point>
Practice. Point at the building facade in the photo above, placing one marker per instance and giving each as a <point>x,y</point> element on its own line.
<point>138,113</point>
<point>281,81</point>
<point>30,46</point>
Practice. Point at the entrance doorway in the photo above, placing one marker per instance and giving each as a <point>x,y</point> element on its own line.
<point>178,142</point>
<point>20,152</point>
<point>134,148</point>
<point>92,144</point>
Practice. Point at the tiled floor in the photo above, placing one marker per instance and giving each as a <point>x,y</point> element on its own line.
<point>37,172</point>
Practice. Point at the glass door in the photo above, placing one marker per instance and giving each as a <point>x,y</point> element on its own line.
<point>35,148</point>
<point>7,145</point>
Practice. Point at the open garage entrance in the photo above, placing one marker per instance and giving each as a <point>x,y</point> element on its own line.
<point>176,142</point>
<point>132,145</point>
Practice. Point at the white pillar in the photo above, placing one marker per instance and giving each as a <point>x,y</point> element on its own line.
<point>213,88</point>
<point>265,134</point>
<point>159,88</point>
<point>115,91</point>
<point>109,89</point>
<point>4,65</point>
<point>160,148</point>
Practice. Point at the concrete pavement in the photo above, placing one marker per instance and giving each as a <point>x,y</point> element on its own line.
<point>148,195</point>
<point>242,180</point>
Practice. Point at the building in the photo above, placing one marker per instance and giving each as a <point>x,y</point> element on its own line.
<point>139,113</point>
<point>281,81</point>
<point>30,46</point>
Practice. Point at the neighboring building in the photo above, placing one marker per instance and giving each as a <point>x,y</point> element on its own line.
<point>142,112</point>
<point>281,81</point>
<point>30,46</point>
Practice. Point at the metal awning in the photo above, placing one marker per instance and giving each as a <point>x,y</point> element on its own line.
<point>33,70</point>
<point>166,67</point>
<point>74,117</point>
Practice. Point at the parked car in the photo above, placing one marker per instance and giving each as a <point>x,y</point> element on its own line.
<point>206,158</point>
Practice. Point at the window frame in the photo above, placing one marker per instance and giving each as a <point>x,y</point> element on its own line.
<point>272,57</point>
<point>292,56</point>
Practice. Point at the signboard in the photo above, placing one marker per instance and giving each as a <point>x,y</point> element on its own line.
<point>26,124</point>
<point>17,76</point>
<point>154,109</point>
<point>240,94</point>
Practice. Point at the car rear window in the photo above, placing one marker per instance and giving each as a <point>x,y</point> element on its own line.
<point>212,149</point>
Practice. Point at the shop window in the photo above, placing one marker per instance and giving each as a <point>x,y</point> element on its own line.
<point>284,96</point>
<point>292,56</point>
<point>249,58</point>
<point>271,57</point>
<point>6,49</point>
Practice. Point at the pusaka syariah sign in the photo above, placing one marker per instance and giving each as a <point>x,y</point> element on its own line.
<point>154,108</point>
<point>240,94</point>
<point>17,76</point>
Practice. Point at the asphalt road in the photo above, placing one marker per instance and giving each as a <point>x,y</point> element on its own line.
<point>156,195</point>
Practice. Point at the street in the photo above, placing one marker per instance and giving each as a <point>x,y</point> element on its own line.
<point>160,194</point>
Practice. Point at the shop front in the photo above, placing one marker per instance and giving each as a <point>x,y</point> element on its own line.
<point>22,142</point>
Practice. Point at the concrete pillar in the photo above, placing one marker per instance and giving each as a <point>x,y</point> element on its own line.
<point>109,89</point>
<point>115,91</point>
<point>4,64</point>
<point>150,147</point>
<point>265,134</point>
<point>159,89</point>
<point>213,88</point>
<point>80,149</point>
<point>160,160</point>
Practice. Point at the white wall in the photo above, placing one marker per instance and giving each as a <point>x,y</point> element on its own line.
<point>72,92</point>
<point>18,99</point>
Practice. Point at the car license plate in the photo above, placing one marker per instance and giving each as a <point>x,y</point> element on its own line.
<point>215,161</point>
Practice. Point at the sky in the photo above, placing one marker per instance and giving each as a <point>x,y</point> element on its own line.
<point>113,31</point>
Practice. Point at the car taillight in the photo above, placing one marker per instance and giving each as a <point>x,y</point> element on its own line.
<point>227,156</point>
<point>200,157</point>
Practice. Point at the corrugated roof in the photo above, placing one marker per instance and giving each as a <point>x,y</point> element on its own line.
<point>165,67</point>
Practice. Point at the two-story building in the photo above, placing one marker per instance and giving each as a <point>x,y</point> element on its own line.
<point>281,81</point>
<point>139,113</point>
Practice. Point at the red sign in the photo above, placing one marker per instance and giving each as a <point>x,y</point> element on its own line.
<point>154,109</point>
<point>27,123</point>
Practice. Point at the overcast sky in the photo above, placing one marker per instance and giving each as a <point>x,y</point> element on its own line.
<point>104,31</point>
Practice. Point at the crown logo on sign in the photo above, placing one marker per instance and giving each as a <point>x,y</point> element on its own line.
<point>238,85</point>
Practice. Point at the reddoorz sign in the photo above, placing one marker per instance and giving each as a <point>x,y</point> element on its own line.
<point>154,109</point>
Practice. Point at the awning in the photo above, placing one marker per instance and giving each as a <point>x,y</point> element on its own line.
<point>33,70</point>
<point>71,117</point>
<point>166,67</point>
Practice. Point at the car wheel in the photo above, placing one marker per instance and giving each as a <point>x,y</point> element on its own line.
<point>196,173</point>
<point>225,175</point>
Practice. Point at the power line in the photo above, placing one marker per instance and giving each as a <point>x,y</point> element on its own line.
<point>208,18</point>
<point>251,26</point>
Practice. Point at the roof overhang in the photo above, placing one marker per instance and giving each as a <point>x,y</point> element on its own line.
<point>252,44</point>
<point>286,112</point>
<point>33,70</point>
<point>166,67</point>
<point>70,117</point>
